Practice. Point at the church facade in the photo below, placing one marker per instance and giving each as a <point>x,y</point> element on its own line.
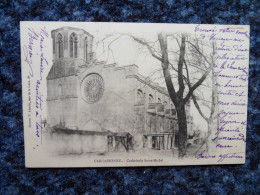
<point>91,98</point>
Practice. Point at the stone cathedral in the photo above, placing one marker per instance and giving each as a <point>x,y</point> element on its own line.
<point>105,102</point>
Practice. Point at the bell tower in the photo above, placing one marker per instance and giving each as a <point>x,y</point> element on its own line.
<point>72,50</point>
<point>72,43</point>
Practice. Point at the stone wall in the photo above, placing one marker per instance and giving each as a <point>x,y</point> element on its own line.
<point>62,143</point>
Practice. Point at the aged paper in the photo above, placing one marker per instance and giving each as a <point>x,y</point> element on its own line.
<point>129,94</point>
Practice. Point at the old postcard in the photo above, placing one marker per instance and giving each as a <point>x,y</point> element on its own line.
<point>132,94</point>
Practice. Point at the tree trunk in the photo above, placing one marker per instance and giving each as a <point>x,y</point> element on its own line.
<point>182,122</point>
<point>211,125</point>
<point>207,139</point>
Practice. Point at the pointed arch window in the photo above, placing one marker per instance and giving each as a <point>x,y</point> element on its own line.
<point>73,45</point>
<point>150,98</point>
<point>60,46</point>
<point>140,97</point>
<point>86,48</point>
<point>60,91</point>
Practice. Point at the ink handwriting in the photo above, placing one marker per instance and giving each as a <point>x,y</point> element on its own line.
<point>37,63</point>
<point>231,80</point>
<point>220,157</point>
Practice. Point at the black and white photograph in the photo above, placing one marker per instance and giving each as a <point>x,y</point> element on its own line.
<point>128,94</point>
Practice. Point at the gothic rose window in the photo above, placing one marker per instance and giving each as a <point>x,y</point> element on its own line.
<point>92,88</point>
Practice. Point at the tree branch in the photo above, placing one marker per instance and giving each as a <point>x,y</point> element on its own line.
<point>197,84</point>
<point>199,52</point>
<point>148,47</point>
<point>193,97</point>
<point>165,66</point>
<point>180,67</point>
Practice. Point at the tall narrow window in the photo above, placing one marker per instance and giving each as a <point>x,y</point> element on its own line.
<point>60,112</point>
<point>140,93</point>
<point>140,97</point>
<point>73,45</point>
<point>60,46</point>
<point>150,98</point>
<point>60,91</point>
<point>159,100</point>
<point>86,48</point>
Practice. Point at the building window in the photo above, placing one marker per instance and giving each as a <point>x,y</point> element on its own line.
<point>60,91</point>
<point>165,104</point>
<point>60,46</point>
<point>140,97</point>
<point>150,98</point>
<point>140,94</point>
<point>86,48</point>
<point>73,45</point>
<point>159,100</point>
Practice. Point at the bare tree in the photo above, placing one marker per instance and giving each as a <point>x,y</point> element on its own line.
<point>209,103</point>
<point>177,53</point>
<point>209,119</point>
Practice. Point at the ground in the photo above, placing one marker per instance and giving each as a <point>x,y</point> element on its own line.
<point>144,153</point>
